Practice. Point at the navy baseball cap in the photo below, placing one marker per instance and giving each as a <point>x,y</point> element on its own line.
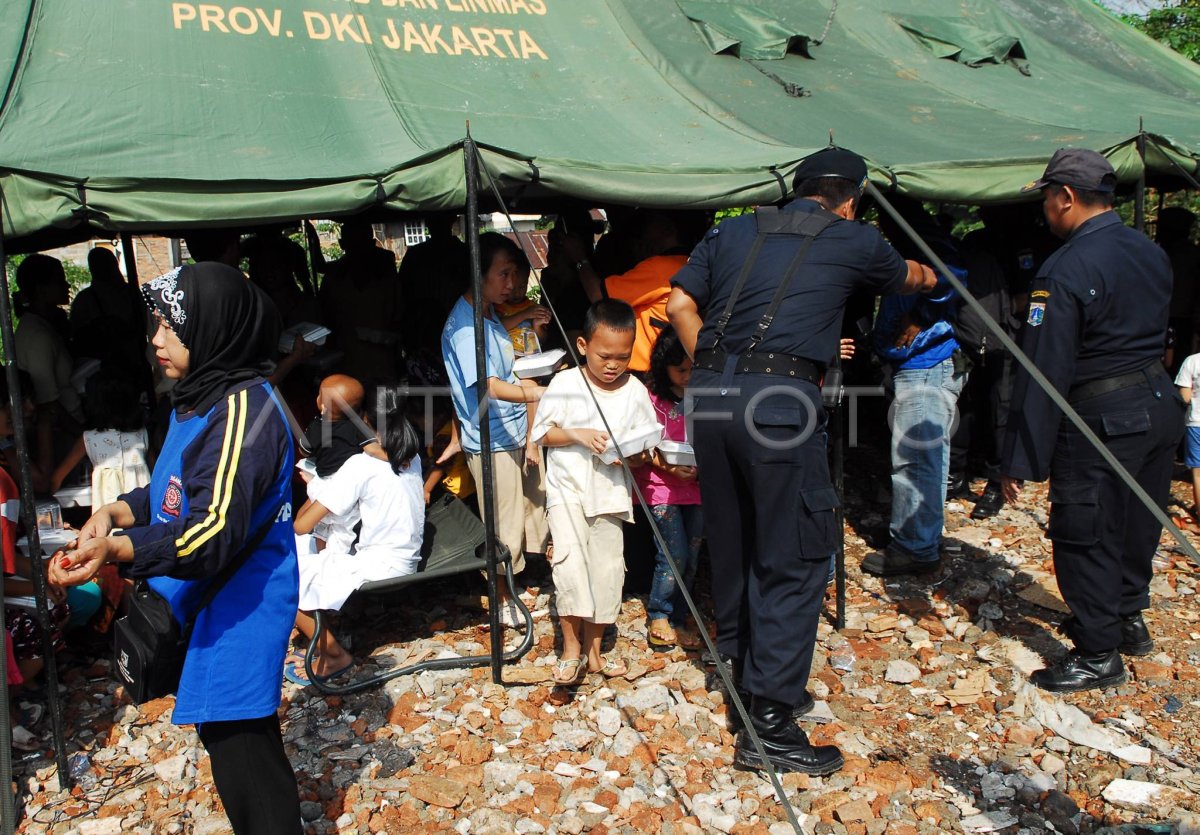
<point>833,162</point>
<point>1077,167</point>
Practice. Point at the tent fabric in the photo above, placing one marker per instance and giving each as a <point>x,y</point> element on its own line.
<point>136,116</point>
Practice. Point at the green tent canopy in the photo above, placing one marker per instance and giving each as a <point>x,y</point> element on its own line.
<point>125,115</point>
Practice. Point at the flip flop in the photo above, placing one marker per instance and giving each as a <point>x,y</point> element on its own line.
<point>613,668</point>
<point>296,675</point>
<point>660,635</point>
<point>577,668</point>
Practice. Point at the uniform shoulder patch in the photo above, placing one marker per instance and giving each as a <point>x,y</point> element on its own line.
<point>1037,313</point>
<point>1040,294</point>
<point>172,501</point>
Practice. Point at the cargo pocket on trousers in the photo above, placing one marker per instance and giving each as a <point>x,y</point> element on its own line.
<point>818,523</point>
<point>1074,516</point>
<point>778,431</point>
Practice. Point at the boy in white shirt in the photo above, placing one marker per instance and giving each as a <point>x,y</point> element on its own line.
<point>587,499</point>
<point>1188,380</point>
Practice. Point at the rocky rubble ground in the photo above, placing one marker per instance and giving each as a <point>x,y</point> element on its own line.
<point>925,691</point>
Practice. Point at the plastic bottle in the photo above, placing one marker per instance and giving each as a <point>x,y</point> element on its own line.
<point>841,654</point>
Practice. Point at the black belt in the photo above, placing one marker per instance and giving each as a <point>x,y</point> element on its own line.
<point>783,365</point>
<point>1086,391</point>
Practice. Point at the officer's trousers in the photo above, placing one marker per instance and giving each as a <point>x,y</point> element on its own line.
<point>769,520</point>
<point>1104,538</point>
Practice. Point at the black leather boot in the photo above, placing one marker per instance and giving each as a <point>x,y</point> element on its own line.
<point>1082,671</point>
<point>806,704</point>
<point>958,486</point>
<point>733,720</point>
<point>1135,637</point>
<point>990,503</point>
<point>787,747</point>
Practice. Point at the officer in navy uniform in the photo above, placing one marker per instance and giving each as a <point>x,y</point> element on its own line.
<point>759,307</point>
<point>1096,327</point>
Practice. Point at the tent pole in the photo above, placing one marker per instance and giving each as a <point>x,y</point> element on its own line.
<point>833,380</point>
<point>29,520</point>
<point>1139,197</point>
<point>488,488</point>
<point>8,815</point>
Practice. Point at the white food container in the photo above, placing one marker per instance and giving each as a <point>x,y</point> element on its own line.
<point>633,443</point>
<point>80,496</point>
<point>677,454</point>
<point>538,365</point>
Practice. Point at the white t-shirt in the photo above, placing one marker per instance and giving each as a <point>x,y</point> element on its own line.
<point>574,474</point>
<point>1189,378</point>
<point>392,506</point>
<point>43,353</point>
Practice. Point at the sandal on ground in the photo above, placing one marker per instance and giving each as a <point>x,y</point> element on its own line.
<point>569,671</point>
<point>660,635</point>
<point>613,668</point>
<point>296,674</point>
<point>688,640</point>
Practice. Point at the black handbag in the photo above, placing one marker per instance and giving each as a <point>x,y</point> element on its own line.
<point>149,646</point>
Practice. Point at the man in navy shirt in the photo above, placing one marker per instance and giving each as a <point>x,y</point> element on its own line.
<point>1096,327</point>
<point>759,307</point>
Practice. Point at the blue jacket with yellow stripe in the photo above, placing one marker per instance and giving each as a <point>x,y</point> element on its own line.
<point>223,477</point>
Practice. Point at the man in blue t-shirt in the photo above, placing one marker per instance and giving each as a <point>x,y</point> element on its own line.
<point>914,336</point>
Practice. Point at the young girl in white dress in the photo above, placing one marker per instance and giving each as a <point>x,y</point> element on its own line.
<point>115,441</point>
<point>389,497</point>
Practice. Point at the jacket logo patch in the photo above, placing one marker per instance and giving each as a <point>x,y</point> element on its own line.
<point>1037,313</point>
<point>172,501</point>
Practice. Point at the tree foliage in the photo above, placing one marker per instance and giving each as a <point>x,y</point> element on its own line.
<point>1176,24</point>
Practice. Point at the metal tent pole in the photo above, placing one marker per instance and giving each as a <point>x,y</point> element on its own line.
<point>487,489</point>
<point>833,382</point>
<point>7,796</point>
<point>29,520</point>
<point>1139,197</point>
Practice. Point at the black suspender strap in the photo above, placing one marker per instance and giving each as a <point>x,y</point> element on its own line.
<point>810,226</point>
<point>751,258</point>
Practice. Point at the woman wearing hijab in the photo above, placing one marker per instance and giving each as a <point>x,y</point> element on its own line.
<point>221,485</point>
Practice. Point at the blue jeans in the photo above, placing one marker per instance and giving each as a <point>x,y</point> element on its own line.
<point>682,526</point>
<point>922,418</point>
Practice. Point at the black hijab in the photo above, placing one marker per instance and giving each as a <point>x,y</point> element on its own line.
<point>227,324</point>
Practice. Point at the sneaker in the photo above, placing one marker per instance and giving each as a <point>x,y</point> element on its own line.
<point>891,562</point>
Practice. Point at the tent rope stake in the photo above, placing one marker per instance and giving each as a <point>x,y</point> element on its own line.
<point>1026,363</point>
<point>726,675</point>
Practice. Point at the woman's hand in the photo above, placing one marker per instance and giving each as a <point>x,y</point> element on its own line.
<point>99,524</point>
<point>74,568</point>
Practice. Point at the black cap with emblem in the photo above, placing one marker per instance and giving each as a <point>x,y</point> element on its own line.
<point>1078,168</point>
<point>833,162</point>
